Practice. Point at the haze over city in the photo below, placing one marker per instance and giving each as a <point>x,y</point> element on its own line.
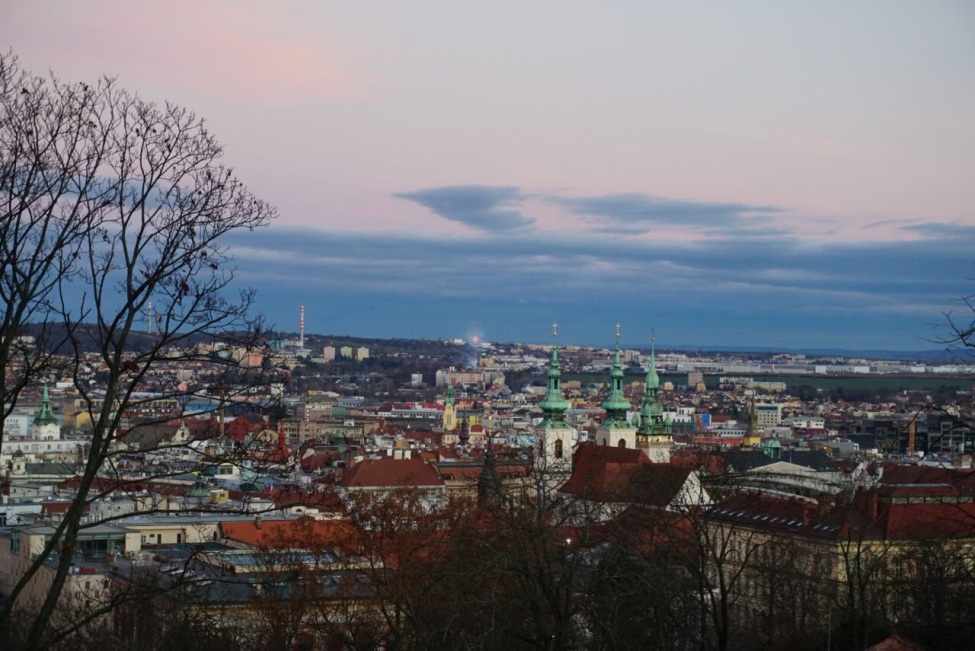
<point>752,174</point>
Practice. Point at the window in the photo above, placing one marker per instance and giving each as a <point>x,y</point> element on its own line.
<point>621,444</point>
<point>558,448</point>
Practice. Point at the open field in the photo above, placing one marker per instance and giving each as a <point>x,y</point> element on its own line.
<point>899,383</point>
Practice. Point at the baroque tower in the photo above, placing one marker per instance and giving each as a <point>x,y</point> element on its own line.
<point>46,426</point>
<point>449,410</point>
<point>554,438</point>
<point>654,436</point>
<point>616,429</point>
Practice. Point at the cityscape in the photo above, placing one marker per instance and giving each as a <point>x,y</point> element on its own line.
<point>406,327</point>
<point>214,486</point>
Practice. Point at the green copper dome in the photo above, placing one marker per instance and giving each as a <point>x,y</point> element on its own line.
<point>200,489</point>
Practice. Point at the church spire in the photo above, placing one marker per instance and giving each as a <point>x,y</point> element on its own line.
<point>653,380</point>
<point>652,411</point>
<point>490,491</point>
<point>616,404</point>
<point>753,437</point>
<point>46,415</point>
<point>554,405</point>
<point>449,411</point>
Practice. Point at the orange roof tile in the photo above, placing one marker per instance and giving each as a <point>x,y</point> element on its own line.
<point>619,474</point>
<point>391,473</point>
<point>260,532</point>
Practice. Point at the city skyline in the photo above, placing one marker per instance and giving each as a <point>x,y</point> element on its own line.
<point>756,175</point>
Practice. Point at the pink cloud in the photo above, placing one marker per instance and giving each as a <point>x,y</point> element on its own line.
<point>213,48</point>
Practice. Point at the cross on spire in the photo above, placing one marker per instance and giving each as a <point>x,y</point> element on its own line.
<point>555,330</point>
<point>617,333</point>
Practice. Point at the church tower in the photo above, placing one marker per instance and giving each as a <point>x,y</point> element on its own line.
<point>554,438</point>
<point>46,426</point>
<point>654,436</point>
<point>753,438</point>
<point>449,410</point>
<point>616,429</point>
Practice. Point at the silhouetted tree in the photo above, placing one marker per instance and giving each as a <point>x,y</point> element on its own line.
<point>110,202</point>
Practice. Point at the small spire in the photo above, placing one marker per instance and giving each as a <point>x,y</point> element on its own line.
<point>653,380</point>
<point>490,492</point>
<point>45,416</point>
<point>652,422</point>
<point>616,404</point>
<point>554,404</point>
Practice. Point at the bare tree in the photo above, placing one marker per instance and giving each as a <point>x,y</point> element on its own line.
<point>934,588</point>
<point>961,328</point>
<point>50,196</point>
<point>111,202</point>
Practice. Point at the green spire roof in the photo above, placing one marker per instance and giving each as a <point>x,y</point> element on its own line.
<point>46,415</point>
<point>616,404</point>
<point>554,404</point>
<point>652,411</point>
<point>449,400</point>
<point>653,380</point>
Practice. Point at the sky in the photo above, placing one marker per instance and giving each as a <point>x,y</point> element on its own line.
<point>755,173</point>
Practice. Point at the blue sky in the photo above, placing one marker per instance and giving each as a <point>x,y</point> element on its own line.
<point>749,173</point>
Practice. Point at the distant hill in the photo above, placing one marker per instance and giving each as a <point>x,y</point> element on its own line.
<point>948,356</point>
<point>141,340</point>
<point>56,337</point>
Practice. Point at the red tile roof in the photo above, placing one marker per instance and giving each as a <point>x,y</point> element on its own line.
<point>258,531</point>
<point>324,500</point>
<point>391,473</point>
<point>961,480</point>
<point>926,520</point>
<point>868,515</point>
<point>607,473</point>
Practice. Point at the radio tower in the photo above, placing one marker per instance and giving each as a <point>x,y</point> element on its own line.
<point>149,322</point>
<point>301,329</point>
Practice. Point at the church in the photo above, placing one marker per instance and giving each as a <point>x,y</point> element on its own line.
<point>556,441</point>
